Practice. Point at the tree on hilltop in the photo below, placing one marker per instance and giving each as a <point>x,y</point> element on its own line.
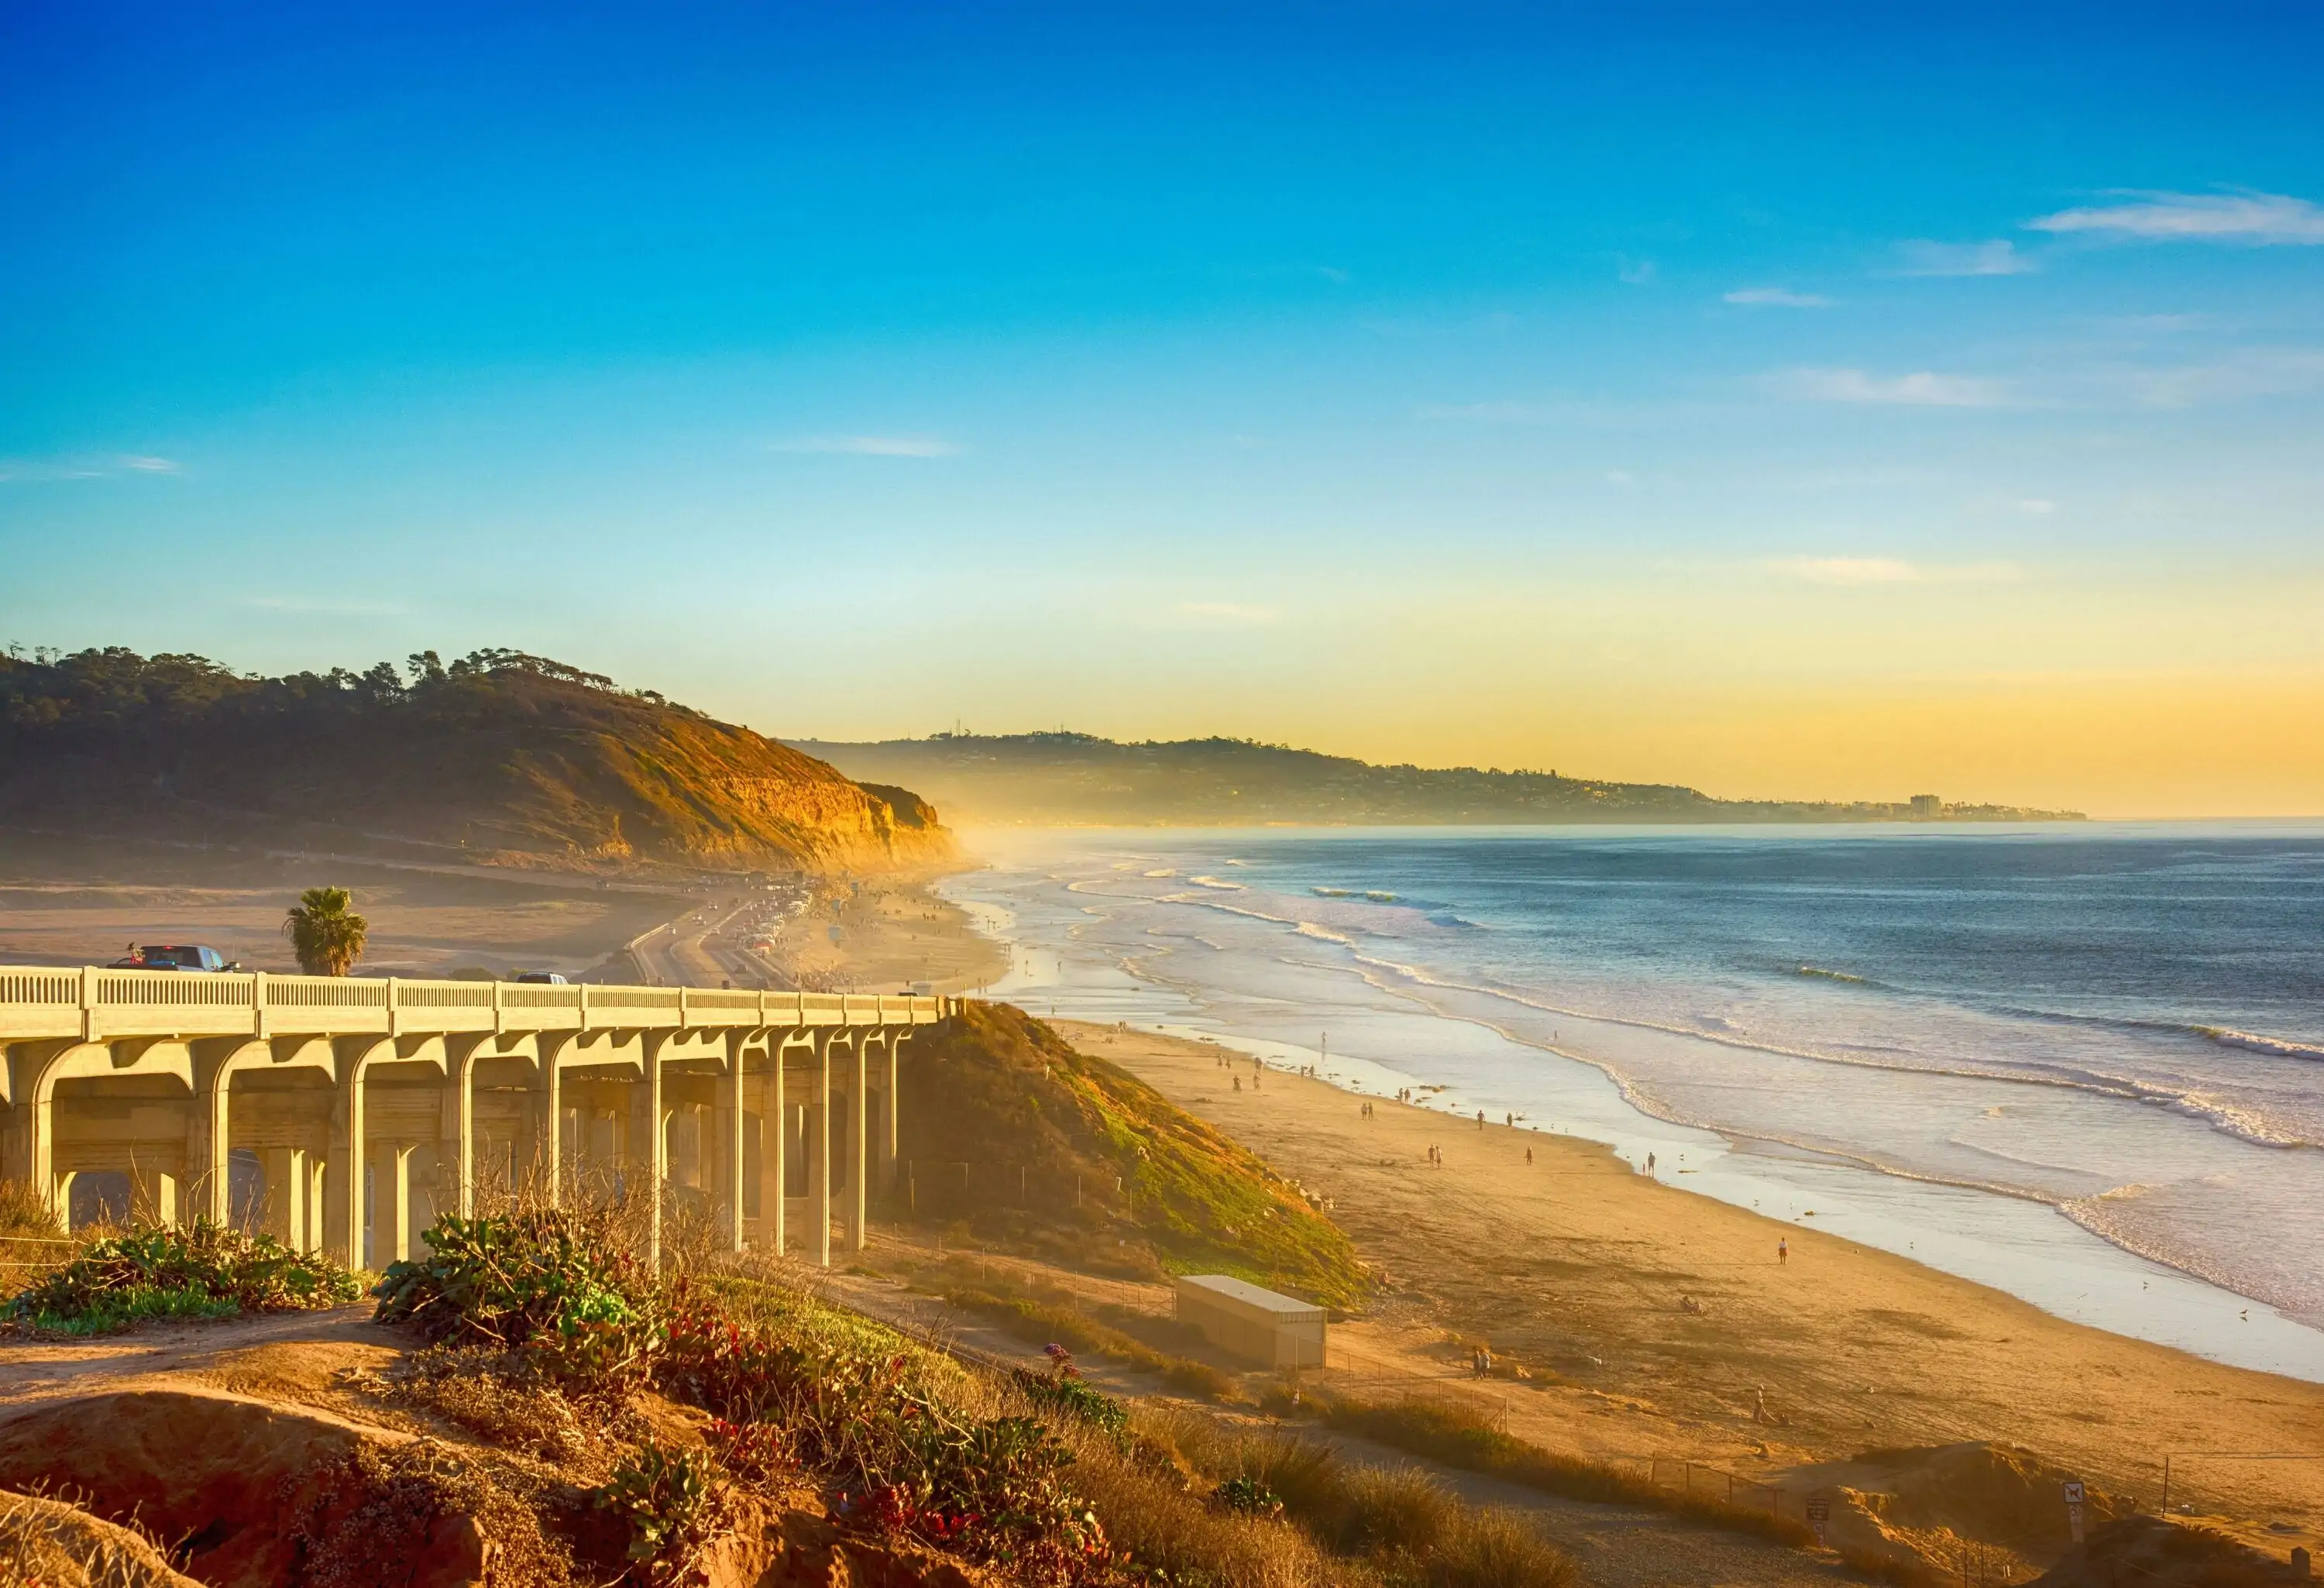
<point>325,932</point>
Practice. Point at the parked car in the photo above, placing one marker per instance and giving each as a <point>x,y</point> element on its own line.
<point>175,956</point>
<point>543,978</point>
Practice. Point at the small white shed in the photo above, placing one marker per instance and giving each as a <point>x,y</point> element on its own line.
<point>1257,1325</point>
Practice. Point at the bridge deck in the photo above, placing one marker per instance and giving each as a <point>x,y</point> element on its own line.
<point>97,1005</point>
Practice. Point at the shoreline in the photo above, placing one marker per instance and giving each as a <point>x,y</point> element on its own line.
<point>2025,1246</point>
<point>1650,1318</point>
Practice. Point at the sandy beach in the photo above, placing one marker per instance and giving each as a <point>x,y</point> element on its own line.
<point>1649,1320</point>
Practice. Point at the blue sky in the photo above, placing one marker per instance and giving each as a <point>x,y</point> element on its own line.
<point>1789,403</point>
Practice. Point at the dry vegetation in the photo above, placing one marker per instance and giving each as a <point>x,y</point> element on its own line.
<point>554,1352</point>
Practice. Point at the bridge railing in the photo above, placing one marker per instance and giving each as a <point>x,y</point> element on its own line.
<point>96,1004</point>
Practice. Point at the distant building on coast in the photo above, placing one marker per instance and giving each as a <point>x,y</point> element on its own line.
<point>1927,807</point>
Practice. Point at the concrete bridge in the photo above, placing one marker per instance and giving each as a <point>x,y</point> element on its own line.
<point>345,1114</point>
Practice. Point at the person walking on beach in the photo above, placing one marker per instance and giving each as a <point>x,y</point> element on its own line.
<point>1528,1155</point>
<point>1650,1163</point>
<point>1480,1119</point>
<point>1782,1250</point>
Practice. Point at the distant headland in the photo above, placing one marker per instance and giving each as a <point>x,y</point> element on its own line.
<point>1068,778</point>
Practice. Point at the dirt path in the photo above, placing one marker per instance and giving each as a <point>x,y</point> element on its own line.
<point>289,1356</point>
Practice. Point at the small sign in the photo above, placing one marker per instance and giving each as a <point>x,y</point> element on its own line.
<point>1819,1513</point>
<point>2074,1510</point>
<point>2074,1493</point>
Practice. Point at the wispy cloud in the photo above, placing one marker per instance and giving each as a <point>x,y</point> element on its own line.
<point>2256,218</point>
<point>2040,506</point>
<point>1637,273</point>
<point>1922,257</point>
<point>1921,388</point>
<point>875,445</point>
<point>1887,570</point>
<point>1778,298</point>
<point>86,466</point>
<point>1226,612</point>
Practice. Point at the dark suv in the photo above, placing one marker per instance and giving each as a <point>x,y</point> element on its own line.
<point>175,956</point>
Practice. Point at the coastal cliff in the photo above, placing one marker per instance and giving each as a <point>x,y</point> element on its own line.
<point>499,757</point>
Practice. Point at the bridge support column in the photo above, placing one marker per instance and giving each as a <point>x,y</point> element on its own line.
<point>891,1099</point>
<point>32,1070</point>
<point>341,1207</point>
<point>731,1118</point>
<point>459,1127</point>
<point>210,1142</point>
<point>818,1150</point>
<point>390,1207</point>
<point>548,1115</point>
<point>859,1138</point>
<point>648,1132</point>
<point>287,1188</point>
<point>775,1141</point>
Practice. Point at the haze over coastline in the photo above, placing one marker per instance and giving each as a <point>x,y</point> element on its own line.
<point>1078,779</point>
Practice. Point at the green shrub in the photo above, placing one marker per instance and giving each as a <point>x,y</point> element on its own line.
<point>1069,1394</point>
<point>549,1283</point>
<point>665,1497</point>
<point>858,1414</point>
<point>200,1271</point>
<point>1245,1495</point>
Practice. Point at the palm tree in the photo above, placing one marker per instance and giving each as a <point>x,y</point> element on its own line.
<point>325,933</point>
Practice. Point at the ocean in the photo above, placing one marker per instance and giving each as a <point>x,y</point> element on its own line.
<point>2085,1065</point>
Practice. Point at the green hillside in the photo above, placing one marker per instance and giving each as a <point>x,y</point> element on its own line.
<point>1013,1132</point>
